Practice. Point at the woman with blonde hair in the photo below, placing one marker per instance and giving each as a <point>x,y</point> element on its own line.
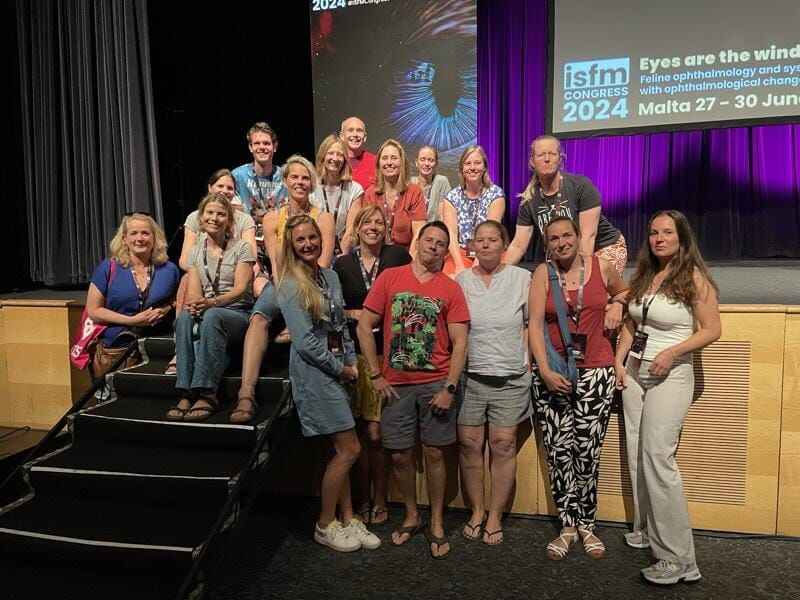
<point>214,319</point>
<point>434,185</point>
<point>357,271</point>
<point>336,190</point>
<point>476,200</point>
<point>322,361</point>
<point>673,312</point>
<point>300,179</point>
<point>402,202</point>
<point>132,291</point>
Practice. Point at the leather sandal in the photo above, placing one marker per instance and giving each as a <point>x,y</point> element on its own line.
<point>591,543</point>
<point>559,547</point>
<point>241,415</point>
<point>178,413</point>
<point>201,413</point>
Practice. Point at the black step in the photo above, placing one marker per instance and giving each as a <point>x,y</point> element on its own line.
<point>149,379</point>
<point>143,419</point>
<point>159,348</point>
<point>155,474</point>
<point>81,528</point>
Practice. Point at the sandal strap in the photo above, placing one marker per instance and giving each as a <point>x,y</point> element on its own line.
<point>561,549</point>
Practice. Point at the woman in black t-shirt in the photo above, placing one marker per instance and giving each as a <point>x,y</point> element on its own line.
<point>357,271</point>
<point>553,193</point>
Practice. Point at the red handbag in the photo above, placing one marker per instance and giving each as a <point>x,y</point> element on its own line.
<point>88,330</point>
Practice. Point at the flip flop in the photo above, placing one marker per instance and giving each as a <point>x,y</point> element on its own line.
<point>364,514</point>
<point>411,530</point>
<point>488,533</point>
<point>472,532</point>
<point>378,510</point>
<point>243,415</point>
<point>439,541</point>
<point>176,413</point>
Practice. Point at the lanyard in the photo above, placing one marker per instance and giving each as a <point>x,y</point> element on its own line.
<point>267,179</point>
<point>551,208</point>
<point>339,202</point>
<point>646,306</point>
<point>322,283</point>
<point>367,277</point>
<point>145,293</point>
<point>562,280</point>
<point>389,214</point>
<point>215,282</point>
<point>475,205</point>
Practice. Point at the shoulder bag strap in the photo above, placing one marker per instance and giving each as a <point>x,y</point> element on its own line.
<point>561,310</point>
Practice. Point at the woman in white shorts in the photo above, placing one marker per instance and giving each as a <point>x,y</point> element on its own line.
<point>497,378</point>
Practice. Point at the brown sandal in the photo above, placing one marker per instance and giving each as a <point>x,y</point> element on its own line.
<point>201,413</point>
<point>241,415</point>
<point>177,413</point>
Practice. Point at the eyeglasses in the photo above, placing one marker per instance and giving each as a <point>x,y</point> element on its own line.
<point>540,155</point>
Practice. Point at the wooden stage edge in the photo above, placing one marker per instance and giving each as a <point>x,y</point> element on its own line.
<point>739,452</point>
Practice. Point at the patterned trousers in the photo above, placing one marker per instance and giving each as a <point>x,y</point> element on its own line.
<point>572,434</point>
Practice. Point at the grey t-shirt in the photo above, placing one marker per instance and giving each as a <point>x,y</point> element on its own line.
<point>434,193</point>
<point>337,200</point>
<point>499,315</point>
<point>241,223</point>
<point>237,251</point>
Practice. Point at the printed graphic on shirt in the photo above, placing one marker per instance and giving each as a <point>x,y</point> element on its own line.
<point>414,321</point>
<point>546,212</point>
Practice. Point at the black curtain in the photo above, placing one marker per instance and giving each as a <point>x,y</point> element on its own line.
<point>14,241</point>
<point>213,77</point>
<point>88,129</point>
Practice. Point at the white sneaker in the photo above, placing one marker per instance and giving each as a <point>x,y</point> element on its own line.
<point>336,537</point>
<point>665,572</point>
<point>357,530</point>
<point>637,539</point>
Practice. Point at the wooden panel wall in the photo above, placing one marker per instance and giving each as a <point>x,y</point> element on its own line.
<point>789,492</point>
<point>40,383</point>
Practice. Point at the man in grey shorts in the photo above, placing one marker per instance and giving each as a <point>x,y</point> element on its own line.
<point>423,314</point>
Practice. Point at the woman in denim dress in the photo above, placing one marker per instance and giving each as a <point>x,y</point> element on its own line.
<point>322,360</point>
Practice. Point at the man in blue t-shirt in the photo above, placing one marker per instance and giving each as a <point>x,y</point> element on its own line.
<point>260,183</point>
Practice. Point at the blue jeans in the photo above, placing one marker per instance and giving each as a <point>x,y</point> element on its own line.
<point>201,364</point>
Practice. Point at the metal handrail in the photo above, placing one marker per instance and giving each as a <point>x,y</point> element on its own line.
<point>233,497</point>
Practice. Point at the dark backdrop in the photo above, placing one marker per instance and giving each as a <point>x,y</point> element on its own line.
<point>14,241</point>
<point>217,69</point>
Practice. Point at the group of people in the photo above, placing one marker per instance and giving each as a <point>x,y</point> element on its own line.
<point>409,321</point>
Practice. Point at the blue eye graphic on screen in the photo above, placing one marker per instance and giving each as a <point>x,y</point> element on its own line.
<point>437,107</point>
<point>434,87</point>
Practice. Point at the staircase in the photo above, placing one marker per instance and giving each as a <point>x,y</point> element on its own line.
<point>132,494</point>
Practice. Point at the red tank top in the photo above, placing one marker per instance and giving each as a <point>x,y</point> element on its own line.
<point>599,352</point>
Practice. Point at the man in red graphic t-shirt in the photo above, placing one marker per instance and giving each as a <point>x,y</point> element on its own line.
<point>362,162</point>
<point>425,321</point>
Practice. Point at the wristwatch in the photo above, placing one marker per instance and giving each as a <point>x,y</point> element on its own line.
<point>451,389</point>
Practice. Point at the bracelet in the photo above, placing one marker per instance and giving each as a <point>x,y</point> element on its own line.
<point>374,376</point>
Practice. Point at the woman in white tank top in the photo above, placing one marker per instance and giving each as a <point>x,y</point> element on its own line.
<point>673,311</point>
